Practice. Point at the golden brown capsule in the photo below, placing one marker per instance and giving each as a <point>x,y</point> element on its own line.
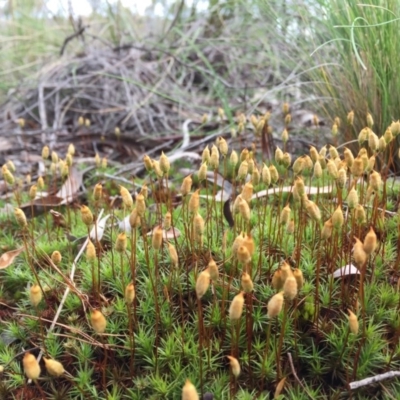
<point>97,191</point>
<point>205,156</point>
<point>140,205</point>
<point>313,210</point>
<point>352,198</point>
<point>333,152</point>
<point>285,215</point>
<point>157,238</point>
<point>54,157</point>
<point>278,155</point>
<point>243,170</point>
<point>98,321</point>
<point>298,275</point>
<point>32,192</point>
<point>247,192</point>
<point>370,241</point>
<point>173,254</point>
<point>243,254</point>
<point>189,392</point>
<point>236,307</point>
<point>212,268</point>
<point>144,191</point>
<point>299,187</point>
<point>337,218</point>
<point>86,215</point>
<point>40,183</point>
<point>332,169</point>
<point>244,209</point>
<point>130,293</point>
<point>222,146</point>
<point>20,217</point>
<point>194,202</point>
<point>290,287</point>
<point>298,165</point>
<point>359,254</point>
<point>235,366</point>
<point>357,169</point>
<point>134,219</point>
<point>277,282</point>
<point>275,304</point>
<point>121,243</point>
<point>126,197</point>
<point>45,152</point>
<point>164,163</point>
<point>248,242</point>
<point>274,174</point>
<point>186,186</point>
<point>255,176</point>
<point>359,214</point>
<point>56,257</point>
<point>341,178</point>
<point>348,157</point>
<point>202,283</point>
<point>237,243</point>
<point>53,367</point>
<point>265,175</point>
<point>148,164</point>
<point>247,283</point>
<point>388,136</point>
<point>35,295</point>
<point>327,229</point>
<point>375,180</point>
<point>31,366</point>
<point>234,158</point>
<point>90,251</point>
<point>286,271</point>
<point>167,220</point>
<point>353,322</point>
<point>214,157</point>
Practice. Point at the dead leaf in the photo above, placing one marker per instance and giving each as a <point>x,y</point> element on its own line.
<point>101,225</point>
<point>124,225</point>
<point>7,258</point>
<point>65,195</point>
<point>279,388</point>
<point>48,201</point>
<point>71,186</point>
<point>58,219</point>
<point>348,269</point>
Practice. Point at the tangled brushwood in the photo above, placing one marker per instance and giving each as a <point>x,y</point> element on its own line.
<point>239,278</point>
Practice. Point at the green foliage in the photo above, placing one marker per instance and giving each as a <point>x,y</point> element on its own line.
<point>356,59</point>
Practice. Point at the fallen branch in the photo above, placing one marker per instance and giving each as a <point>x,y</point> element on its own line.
<point>373,379</point>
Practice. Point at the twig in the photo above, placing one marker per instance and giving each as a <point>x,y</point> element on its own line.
<point>296,377</point>
<point>373,379</point>
<point>67,289</point>
<point>70,37</point>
